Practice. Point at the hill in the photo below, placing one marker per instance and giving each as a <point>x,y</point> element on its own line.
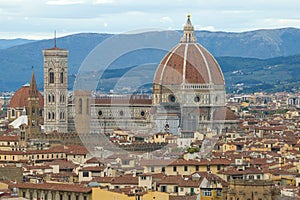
<point>7,43</point>
<point>254,75</point>
<point>16,62</point>
<point>253,44</point>
<point>234,51</point>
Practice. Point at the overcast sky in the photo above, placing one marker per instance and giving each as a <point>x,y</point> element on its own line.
<point>37,19</point>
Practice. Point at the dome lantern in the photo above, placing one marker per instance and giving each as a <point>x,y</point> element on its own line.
<point>188,33</point>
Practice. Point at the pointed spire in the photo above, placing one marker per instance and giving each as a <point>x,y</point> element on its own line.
<point>188,31</point>
<point>33,91</point>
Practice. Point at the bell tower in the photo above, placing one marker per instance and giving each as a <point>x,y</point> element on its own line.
<point>33,108</point>
<point>55,89</point>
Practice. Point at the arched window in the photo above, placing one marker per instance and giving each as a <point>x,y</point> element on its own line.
<point>53,98</point>
<point>62,115</point>
<point>80,106</point>
<point>61,77</point>
<point>49,115</point>
<point>53,115</point>
<point>49,98</point>
<point>62,98</point>
<point>13,112</point>
<point>87,106</point>
<point>51,76</point>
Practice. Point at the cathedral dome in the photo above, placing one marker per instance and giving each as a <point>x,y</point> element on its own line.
<point>20,98</point>
<point>188,63</point>
<point>188,86</point>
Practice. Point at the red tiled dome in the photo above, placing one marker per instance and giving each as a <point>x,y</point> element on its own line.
<point>20,98</point>
<point>188,63</point>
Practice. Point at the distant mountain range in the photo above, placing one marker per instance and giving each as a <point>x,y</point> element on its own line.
<point>255,75</point>
<point>255,60</point>
<point>6,43</point>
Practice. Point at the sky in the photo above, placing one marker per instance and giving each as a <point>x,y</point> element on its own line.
<point>37,19</point>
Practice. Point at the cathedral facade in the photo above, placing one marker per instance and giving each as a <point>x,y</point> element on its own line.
<point>188,96</point>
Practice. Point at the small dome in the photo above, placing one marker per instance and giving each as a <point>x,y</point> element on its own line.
<point>224,113</point>
<point>20,98</point>
<point>188,63</point>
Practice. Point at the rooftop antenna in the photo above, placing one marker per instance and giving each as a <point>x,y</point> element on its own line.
<point>54,38</point>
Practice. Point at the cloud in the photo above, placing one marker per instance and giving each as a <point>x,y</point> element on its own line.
<point>237,11</point>
<point>103,1</point>
<point>166,19</point>
<point>64,2</point>
<point>281,22</point>
<point>289,22</point>
<point>205,28</point>
<point>21,16</point>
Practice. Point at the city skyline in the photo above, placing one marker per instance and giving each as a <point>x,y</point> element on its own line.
<point>37,20</point>
<point>148,116</point>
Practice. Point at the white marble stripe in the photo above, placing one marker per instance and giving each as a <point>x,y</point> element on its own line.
<point>163,71</point>
<point>184,62</point>
<point>206,64</point>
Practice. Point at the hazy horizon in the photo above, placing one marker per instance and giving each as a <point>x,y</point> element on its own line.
<point>58,35</point>
<point>38,19</point>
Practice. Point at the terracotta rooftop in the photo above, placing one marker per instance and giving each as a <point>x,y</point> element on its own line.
<point>172,179</point>
<point>195,197</point>
<point>69,150</point>
<point>93,160</point>
<point>253,170</point>
<point>76,150</point>
<point>55,187</point>
<point>106,179</point>
<point>129,191</point>
<point>9,138</point>
<point>38,167</point>
<point>55,48</point>
<point>63,164</point>
<point>155,162</point>
<point>125,180</point>
<point>20,98</point>
<point>93,168</point>
<point>231,171</point>
<point>258,161</point>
